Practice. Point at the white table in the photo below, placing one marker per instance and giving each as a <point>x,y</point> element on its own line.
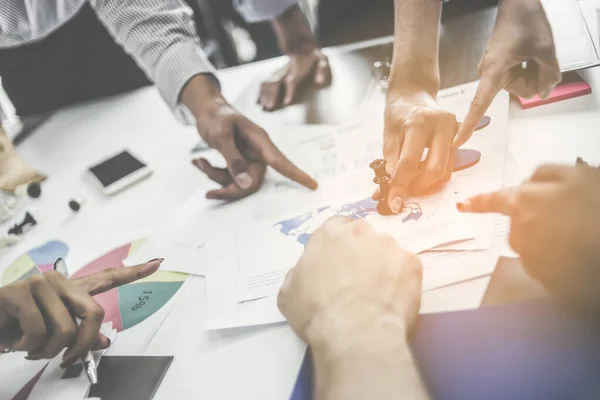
<point>257,363</point>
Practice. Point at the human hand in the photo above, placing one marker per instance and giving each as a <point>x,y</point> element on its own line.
<point>350,279</point>
<point>554,227</point>
<point>305,67</point>
<point>413,121</point>
<point>37,315</point>
<point>521,34</point>
<point>246,147</point>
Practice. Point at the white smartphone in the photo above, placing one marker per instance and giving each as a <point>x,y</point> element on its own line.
<point>118,172</point>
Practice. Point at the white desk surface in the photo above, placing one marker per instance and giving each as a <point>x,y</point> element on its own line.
<point>250,364</point>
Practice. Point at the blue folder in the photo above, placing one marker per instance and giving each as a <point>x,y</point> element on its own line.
<point>529,350</point>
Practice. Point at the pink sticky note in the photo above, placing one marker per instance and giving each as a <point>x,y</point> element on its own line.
<point>571,86</point>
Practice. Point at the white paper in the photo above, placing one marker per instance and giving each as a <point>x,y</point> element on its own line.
<point>591,13</point>
<point>265,253</point>
<point>446,268</point>
<point>251,265</point>
<point>500,241</point>
<point>178,256</point>
<point>574,46</point>
<point>16,372</point>
<point>223,309</point>
<point>51,386</point>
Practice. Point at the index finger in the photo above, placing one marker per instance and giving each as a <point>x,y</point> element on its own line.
<point>490,84</point>
<point>407,166</point>
<point>502,201</point>
<point>273,157</point>
<point>114,277</point>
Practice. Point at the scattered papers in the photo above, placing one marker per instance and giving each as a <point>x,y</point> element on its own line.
<point>246,248</point>
<point>575,48</point>
<point>450,267</point>
<point>266,251</point>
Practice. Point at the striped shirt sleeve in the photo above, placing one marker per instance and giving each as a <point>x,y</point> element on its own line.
<point>161,37</point>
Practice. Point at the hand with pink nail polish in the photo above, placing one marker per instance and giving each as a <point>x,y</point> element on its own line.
<point>553,227</point>
<point>38,315</point>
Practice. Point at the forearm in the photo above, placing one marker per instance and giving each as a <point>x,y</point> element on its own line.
<point>293,32</point>
<point>376,364</point>
<point>415,63</point>
<point>161,37</point>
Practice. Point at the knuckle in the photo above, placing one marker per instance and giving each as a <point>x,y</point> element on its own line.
<point>95,311</point>
<point>436,171</point>
<point>54,275</point>
<point>546,49</point>
<point>409,162</point>
<point>37,332</point>
<point>388,241</point>
<point>37,280</point>
<point>417,117</point>
<point>359,227</point>
<point>66,331</point>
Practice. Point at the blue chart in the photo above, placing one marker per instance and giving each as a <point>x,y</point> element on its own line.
<point>302,226</point>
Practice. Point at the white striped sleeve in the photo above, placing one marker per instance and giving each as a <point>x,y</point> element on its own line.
<point>161,37</point>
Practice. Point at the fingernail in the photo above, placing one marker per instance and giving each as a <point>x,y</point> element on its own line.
<point>463,206</point>
<point>200,163</point>
<point>106,343</point>
<point>396,205</point>
<point>160,260</point>
<point>243,180</point>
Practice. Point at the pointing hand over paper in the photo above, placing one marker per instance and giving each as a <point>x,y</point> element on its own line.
<point>554,227</point>
<point>37,315</point>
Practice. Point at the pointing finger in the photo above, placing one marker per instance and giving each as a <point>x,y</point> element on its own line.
<point>407,167</point>
<point>502,201</point>
<point>490,84</point>
<point>273,157</point>
<point>114,277</point>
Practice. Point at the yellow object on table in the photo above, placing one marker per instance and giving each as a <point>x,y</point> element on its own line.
<point>13,170</point>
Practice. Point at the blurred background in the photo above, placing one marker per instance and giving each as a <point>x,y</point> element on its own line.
<point>97,67</point>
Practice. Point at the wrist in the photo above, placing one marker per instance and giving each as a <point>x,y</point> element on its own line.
<point>409,96</point>
<point>293,32</point>
<point>405,80</point>
<point>201,94</point>
<point>341,334</point>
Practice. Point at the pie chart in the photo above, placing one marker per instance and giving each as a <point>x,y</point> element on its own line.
<point>125,306</point>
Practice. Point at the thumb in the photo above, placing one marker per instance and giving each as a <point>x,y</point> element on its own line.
<point>111,278</point>
<point>290,83</point>
<point>236,164</point>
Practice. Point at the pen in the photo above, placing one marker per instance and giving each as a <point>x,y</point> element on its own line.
<point>89,365</point>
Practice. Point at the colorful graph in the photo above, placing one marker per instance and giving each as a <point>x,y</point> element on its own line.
<point>302,226</point>
<point>125,306</point>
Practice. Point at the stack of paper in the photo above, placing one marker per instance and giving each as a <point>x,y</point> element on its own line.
<point>576,46</point>
<point>246,248</point>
